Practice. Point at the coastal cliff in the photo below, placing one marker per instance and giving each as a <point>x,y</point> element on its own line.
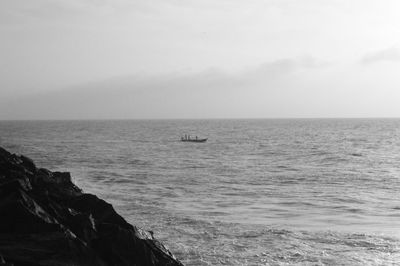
<point>46,220</point>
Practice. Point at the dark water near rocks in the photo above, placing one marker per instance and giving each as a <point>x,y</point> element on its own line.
<point>258,192</point>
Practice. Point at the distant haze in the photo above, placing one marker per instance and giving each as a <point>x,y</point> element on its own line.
<point>199,59</point>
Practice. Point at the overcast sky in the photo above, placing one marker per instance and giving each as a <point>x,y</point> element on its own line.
<point>80,59</point>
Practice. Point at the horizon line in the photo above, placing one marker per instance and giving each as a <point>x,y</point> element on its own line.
<point>215,118</point>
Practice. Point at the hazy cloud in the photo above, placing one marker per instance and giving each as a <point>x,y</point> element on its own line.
<point>282,67</point>
<point>255,47</point>
<point>209,93</point>
<point>391,54</point>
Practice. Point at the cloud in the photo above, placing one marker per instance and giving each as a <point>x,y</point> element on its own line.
<point>283,67</point>
<point>209,93</point>
<point>391,54</point>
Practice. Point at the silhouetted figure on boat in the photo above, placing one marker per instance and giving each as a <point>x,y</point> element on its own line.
<point>187,138</point>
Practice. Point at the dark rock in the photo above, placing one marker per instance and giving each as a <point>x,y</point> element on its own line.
<point>28,164</point>
<point>21,214</point>
<point>62,178</point>
<point>46,220</point>
<point>57,184</point>
<point>4,263</point>
<point>84,226</point>
<point>114,243</point>
<point>101,210</point>
<point>4,153</point>
<point>53,248</point>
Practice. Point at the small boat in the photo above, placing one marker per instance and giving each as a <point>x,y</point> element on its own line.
<point>189,139</point>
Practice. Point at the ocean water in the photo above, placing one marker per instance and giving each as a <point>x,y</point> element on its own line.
<point>258,192</point>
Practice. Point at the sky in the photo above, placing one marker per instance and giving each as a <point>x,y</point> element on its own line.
<point>128,59</point>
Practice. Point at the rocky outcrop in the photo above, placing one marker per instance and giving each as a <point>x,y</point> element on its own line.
<point>46,220</point>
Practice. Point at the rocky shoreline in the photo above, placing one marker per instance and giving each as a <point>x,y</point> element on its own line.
<point>47,220</point>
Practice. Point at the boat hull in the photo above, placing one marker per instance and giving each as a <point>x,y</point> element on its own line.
<point>194,140</point>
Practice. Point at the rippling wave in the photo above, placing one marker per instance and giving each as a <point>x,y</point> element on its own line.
<point>258,192</point>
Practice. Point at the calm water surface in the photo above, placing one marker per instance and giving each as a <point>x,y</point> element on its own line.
<point>258,192</point>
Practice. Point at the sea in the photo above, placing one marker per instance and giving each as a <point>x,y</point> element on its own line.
<point>258,192</point>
